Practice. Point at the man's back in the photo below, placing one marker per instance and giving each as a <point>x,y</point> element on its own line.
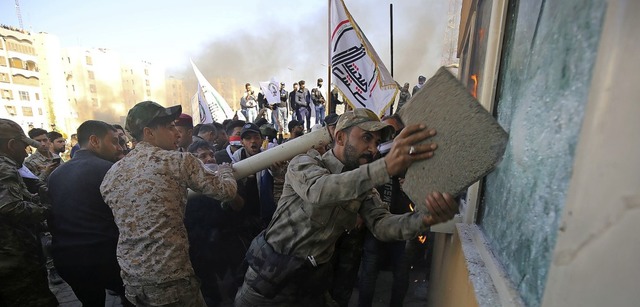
<point>80,219</point>
<point>147,192</point>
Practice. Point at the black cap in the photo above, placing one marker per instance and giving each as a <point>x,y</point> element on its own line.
<point>331,119</point>
<point>293,123</point>
<point>261,121</point>
<point>250,127</point>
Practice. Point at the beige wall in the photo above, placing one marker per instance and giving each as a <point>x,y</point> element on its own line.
<point>449,281</point>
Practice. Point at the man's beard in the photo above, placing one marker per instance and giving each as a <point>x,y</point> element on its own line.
<point>352,158</point>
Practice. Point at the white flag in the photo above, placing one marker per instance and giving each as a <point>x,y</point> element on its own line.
<point>200,108</point>
<point>356,69</point>
<point>211,100</point>
<point>271,91</point>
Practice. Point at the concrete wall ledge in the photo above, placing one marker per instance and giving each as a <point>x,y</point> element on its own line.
<point>489,280</point>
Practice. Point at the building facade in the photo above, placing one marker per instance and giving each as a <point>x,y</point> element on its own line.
<point>21,98</point>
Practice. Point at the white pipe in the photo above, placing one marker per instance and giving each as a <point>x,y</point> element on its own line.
<point>282,152</point>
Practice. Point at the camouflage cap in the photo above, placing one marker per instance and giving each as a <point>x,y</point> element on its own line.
<point>143,113</point>
<point>11,130</point>
<point>366,120</point>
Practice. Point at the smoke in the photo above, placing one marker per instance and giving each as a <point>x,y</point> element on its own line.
<point>291,52</point>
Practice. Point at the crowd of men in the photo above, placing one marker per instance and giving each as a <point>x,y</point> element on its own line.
<point>155,215</point>
<point>299,104</point>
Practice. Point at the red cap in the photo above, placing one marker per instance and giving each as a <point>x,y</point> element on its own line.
<point>184,120</point>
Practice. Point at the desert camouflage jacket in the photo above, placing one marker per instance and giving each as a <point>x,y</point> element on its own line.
<point>147,192</point>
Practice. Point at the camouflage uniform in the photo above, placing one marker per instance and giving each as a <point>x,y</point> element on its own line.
<point>319,203</point>
<point>147,193</point>
<point>37,163</point>
<point>23,279</point>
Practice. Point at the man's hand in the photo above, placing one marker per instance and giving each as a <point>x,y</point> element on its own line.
<point>442,207</point>
<point>51,167</point>
<point>405,149</point>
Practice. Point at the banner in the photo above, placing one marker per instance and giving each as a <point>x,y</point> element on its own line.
<point>356,68</point>
<point>271,90</point>
<point>200,109</point>
<point>209,99</point>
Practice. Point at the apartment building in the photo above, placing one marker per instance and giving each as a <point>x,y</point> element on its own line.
<point>176,94</point>
<point>21,98</point>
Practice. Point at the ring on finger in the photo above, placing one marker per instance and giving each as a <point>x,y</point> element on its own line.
<point>412,150</point>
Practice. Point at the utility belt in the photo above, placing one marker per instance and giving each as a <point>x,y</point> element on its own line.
<point>275,271</point>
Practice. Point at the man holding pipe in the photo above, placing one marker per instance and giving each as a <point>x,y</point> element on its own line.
<point>289,262</point>
<point>147,193</point>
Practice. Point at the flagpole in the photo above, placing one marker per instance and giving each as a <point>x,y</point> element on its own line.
<point>391,44</point>
<point>391,33</point>
<point>329,87</point>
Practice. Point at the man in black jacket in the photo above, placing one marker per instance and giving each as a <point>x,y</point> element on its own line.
<point>84,233</point>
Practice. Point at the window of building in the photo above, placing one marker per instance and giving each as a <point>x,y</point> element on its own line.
<point>37,96</point>
<point>147,82</point>
<point>91,75</point>
<point>39,111</point>
<point>24,95</point>
<point>89,60</point>
<point>92,88</point>
<point>146,71</point>
<point>4,77</point>
<point>3,61</point>
<point>27,111</point>
<point>7,94</point>
<point>11,110</point>
<point>16,63</point>
<point>148,92</point>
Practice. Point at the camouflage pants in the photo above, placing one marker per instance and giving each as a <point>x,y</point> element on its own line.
<point>26,286</point>
<point>177,293</point>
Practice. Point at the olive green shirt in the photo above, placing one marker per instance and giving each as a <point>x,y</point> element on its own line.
<point>319,202</point>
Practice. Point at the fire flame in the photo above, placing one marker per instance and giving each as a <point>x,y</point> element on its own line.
<point>421,239</point>
<point>474,92</point>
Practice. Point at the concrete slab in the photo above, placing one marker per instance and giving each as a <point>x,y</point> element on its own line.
<point>470,141</point>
